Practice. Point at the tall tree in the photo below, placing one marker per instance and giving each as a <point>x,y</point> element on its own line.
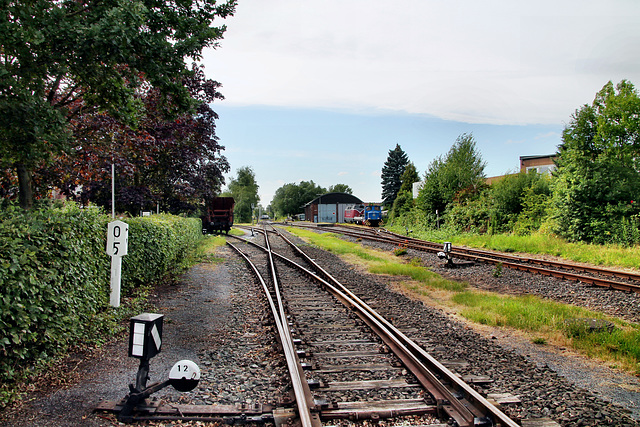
<point>173,163</point>
<point>409,176</point>
<point>59,57</point>
<point>244,189</point>
<point>461,169</point>
<point>291,198</point>
<point>404,199</point>
<point>597,182</point>
<point>392,172</point>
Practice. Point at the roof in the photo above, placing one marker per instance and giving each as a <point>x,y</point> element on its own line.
<point>538,157</point>
<point>332,198</point>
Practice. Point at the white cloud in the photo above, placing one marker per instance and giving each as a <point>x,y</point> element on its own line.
<point>548,135</point>
<point>493,62</point>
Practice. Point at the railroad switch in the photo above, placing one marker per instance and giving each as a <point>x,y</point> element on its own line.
<point>445,254</point>
<point>145,341</point>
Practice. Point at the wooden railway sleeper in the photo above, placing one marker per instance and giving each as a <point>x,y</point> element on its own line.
<point>461,411</point>
<point>413,358</point>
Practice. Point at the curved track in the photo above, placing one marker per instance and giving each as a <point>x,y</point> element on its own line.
<point>446,394</point>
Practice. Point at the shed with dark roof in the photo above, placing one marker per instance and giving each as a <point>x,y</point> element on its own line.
<point>329,207</point>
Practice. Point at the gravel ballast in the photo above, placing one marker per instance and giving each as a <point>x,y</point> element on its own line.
<point>215,315</point>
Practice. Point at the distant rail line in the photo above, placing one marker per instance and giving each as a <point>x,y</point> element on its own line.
<point>607,278</point>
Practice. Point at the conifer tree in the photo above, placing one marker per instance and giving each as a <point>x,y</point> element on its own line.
<point>392,171</point>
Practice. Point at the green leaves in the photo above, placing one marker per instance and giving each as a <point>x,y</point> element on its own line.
<point>54,277</point>
<point>244,190</point>
<point>63,57</point>
<point>157,246</point>
<point>598,174</point>
<point>462,169</point>
<point>290,198</point>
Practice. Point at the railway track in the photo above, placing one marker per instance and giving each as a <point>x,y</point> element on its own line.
<point>378,371</point>
<point>345,372</point>
<point>603,277</point>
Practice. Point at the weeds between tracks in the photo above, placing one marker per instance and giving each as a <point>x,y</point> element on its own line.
<point>543,320</point>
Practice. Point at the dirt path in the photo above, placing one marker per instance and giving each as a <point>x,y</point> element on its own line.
<point>105,374</point>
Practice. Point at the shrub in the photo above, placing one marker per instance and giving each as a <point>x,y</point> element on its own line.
<point>55,274</point>
<point>157,244</point>
<point>52,280</point>
<point>399,251</point>
<point>471,215</point>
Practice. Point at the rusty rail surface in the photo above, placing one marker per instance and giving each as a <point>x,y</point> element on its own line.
<point>304,399</point>
<point>455,398</point>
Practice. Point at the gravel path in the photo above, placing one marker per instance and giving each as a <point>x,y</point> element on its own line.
<point>214,316</point>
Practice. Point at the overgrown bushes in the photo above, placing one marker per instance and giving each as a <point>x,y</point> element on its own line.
<point>523,204</point>
<point>54,277</point>
<point>591,196</point>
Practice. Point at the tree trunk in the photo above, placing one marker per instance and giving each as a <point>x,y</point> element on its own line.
<point>25,194</point>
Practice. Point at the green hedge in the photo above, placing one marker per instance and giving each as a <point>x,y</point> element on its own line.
<point>54,276</point>
<point>157,244</point>
<point>51,281</point>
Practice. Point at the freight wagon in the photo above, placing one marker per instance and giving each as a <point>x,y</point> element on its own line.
<point>218,215</point>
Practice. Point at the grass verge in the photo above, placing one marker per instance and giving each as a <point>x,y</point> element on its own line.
<point>541,244</point>
<point>206,249</point>
<point>377,262</point>
<point>542,320</point>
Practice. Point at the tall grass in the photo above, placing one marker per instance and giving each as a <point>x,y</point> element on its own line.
<point>528,312</point>
<point>554,320</point>
<point>606,255</point>
<point>541,244</point>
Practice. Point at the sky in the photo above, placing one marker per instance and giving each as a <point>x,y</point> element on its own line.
<point>322,90</point>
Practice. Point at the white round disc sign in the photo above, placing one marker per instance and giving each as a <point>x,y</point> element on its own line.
<point>184,375</point>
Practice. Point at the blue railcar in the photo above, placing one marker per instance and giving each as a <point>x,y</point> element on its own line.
<point>372,214</point>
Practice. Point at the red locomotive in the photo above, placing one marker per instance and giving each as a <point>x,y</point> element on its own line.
<point>354,214</point>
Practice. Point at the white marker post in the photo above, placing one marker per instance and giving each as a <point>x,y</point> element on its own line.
<point>117,246</point>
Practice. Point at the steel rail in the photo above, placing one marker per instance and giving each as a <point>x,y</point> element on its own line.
<point>298,379</point>
<point>457,384</point>
<point>511,261</point>
<point>428,370</point>
<point>283,316</point>
<point>548,263</point>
